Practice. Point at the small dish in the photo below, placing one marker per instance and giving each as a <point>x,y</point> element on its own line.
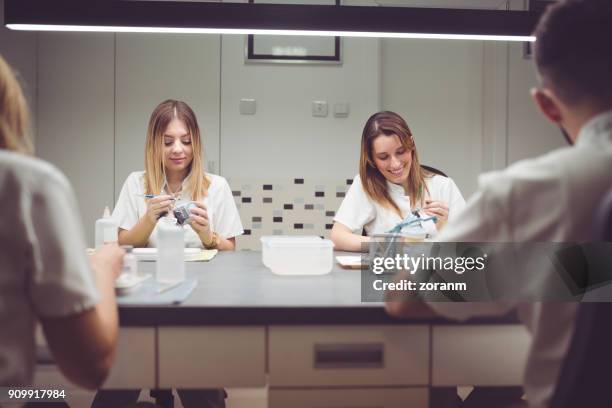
<point>127,281</point>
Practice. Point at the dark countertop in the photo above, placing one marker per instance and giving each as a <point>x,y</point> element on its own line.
<point>235,288</point>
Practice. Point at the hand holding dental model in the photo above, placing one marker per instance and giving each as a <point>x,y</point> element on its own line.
<point>438,209</point>
<point>198,219</point>
<point>158,206</point>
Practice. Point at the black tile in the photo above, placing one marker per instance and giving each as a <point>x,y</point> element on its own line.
<point>256,219</point>
<point>298,181</point>
<point>298,226</point>
<point>309,206</point>
<point>288,207</point>
<point>236,193</point>
<point>330,213</point>
<point>247,232</point>
<point>267,186</point>
<point>340,194</point>
<point>267,199</point>
<point>319,194</point>
<point>329,226</point>
<point>349,182</point>
<point>246,199</point>
<point>277,219</point>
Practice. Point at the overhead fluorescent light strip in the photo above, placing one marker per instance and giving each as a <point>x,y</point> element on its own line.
<point>184,30</point>
<point>264,18</point>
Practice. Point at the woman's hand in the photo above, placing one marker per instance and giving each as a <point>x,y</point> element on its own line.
<point>200,223</point>
<point>108,261</point>
<point>157,207</point>
<point>438,209</point>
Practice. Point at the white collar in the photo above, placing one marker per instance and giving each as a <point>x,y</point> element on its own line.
<point>183,190</point>
<point>396,189</point>
<point>597,131</point>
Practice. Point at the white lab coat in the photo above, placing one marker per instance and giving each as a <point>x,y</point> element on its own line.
<point>222,212</point>
<point>358,211</point>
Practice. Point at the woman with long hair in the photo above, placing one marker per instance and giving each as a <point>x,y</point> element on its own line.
<point>173,175</point>
<point>45,275</point>
<point>391,184</point>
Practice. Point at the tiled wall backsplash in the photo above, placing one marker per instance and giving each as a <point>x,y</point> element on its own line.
<point>296,206</point>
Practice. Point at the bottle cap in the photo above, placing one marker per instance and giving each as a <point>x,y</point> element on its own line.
<point>106,212</point>
<point>127,248</point>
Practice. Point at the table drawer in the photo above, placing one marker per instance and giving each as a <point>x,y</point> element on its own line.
<point>348,355</point>
<point>205,357</point>
<point>349,398</point>
<point>473,355</point>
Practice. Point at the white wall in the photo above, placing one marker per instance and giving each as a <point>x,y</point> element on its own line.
<point>75,115</point>
<point>283,138</point>
<point>437,87</point>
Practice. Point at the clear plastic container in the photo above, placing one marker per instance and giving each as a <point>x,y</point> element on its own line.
<point>171,252</point>
<point>299,255</point>
<point>267,239</point>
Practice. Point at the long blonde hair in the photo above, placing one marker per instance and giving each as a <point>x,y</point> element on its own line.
<point>155,174</point>
<point>374,183</point>
<point>14,117</point>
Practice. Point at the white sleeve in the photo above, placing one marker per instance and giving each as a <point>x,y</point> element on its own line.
<point>126,210</point>
<point>226,220</point>
<point>356,209</point>
<point>61,281</point>
<point>454,199</point>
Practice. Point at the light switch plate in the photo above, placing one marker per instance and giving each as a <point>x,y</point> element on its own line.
<point>319,109</point>
<point>248,106</point>
<point>341,110</point>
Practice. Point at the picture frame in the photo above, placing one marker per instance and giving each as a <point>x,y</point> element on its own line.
<point>283,49</point>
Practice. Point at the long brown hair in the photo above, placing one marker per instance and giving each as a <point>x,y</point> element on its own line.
<point>374,183</point>
<point>155,173</point>
<point>14,122</point>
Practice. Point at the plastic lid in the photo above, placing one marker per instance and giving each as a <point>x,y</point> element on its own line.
<point>127,248</point>
<point>308,243</point>
<point>290,238</point>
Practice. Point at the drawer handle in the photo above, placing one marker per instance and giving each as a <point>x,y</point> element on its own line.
<point>346,355</point>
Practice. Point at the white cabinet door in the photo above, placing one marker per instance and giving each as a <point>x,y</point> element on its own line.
<point>134,365</point>
<point>479,355</point>
<point>210,357</point>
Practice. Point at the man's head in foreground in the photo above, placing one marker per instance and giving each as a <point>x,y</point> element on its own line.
<point>573,56</point>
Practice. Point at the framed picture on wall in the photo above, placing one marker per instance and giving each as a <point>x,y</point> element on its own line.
<point>293,49</point>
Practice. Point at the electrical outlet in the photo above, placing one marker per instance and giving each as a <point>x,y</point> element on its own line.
<point>319,109</point>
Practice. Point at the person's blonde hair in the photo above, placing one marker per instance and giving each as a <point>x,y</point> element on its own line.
<point>155,173</point>
<point>14,118</point>
<point>373,181</point>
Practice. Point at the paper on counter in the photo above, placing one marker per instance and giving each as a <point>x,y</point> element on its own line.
<point>191,254</point>
<point>349,261</point>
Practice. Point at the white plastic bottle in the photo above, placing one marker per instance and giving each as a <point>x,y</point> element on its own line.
<point>170,252</point>
<point>130,263</point>
<point>106,229</point>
